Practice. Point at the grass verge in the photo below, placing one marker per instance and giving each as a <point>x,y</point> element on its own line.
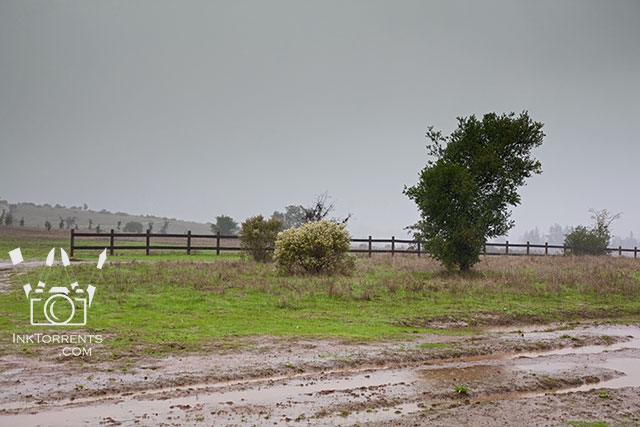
<point>167,306</point>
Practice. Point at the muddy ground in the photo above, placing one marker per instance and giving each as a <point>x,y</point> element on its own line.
<point>540,375</point>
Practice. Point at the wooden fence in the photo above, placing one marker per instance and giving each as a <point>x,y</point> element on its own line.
<point>366,245</point>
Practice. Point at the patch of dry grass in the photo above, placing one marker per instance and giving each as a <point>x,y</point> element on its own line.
<point>518,274</point>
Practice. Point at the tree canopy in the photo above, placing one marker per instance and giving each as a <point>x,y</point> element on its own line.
<point>133,227</point>
<point>225,225</point>
<point>465,191</point>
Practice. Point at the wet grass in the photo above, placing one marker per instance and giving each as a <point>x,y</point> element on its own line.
<point>33,249</point>
<point>167,306</point>
<point>587,423</point>
<point>37,246</point>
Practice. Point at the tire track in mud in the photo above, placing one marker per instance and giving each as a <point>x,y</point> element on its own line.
<point>368,368</point>
<point>362,394</point>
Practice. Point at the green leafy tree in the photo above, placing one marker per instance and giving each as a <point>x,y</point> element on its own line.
<point>225,225</point>
<point>293,216</point>
<point>464,195</point>
<point>133,227</point>
<point>8,220</point>
<point>47,225</point>
<point>258,236</point>
<point>592,240</point>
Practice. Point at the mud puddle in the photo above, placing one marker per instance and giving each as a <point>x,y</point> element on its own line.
<point>236,402</point>
<point>385,394</point>
<point>631,333</point>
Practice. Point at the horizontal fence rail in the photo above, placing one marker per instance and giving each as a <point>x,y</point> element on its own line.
<point>366,245</point>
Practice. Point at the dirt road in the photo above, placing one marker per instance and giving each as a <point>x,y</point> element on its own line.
<point>502,377</point>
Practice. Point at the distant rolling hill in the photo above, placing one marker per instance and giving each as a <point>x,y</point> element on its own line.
<point>35,216</point>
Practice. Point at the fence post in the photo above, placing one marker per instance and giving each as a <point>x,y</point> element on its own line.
<point>484,248</point>
<point>619,250</point>
<point>369,246</point>
<point>419,248</point>
<point>217,243</point>
<point>564,249</point>
<point>72,242</point>
<point>189,242</point>
<point>527,247</point>
<point>506,247</point>
<point>393,245</point>
<point>546,248</point>
<point>112,237</point>
<point>635,249</point>
<point>148,241</point>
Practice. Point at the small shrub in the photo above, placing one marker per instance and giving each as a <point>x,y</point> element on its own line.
<point>592,240</point>
<point>314,247</point>
<point>133,227</point>
<point>258,237</point>
<point>584,241</point>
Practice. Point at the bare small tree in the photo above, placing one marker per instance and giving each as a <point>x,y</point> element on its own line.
<point>321,209</point>
<point>165,226</point>
<point>602,220</point>
<point>71,221</point>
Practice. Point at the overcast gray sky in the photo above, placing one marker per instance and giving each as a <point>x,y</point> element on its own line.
<point>192,109</point>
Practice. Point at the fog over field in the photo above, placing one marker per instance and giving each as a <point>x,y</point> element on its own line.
<point>196,109</point>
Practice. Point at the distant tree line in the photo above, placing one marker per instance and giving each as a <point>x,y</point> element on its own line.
<point>292,216</point>
<point>7,218</point>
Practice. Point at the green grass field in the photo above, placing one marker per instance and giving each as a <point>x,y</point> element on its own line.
<point>182,303</point>
<point>36,248</point>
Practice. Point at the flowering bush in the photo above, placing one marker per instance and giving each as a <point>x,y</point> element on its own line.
<point>314,247</point>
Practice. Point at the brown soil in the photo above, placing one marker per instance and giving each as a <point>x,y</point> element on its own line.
<point>322,382</point>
